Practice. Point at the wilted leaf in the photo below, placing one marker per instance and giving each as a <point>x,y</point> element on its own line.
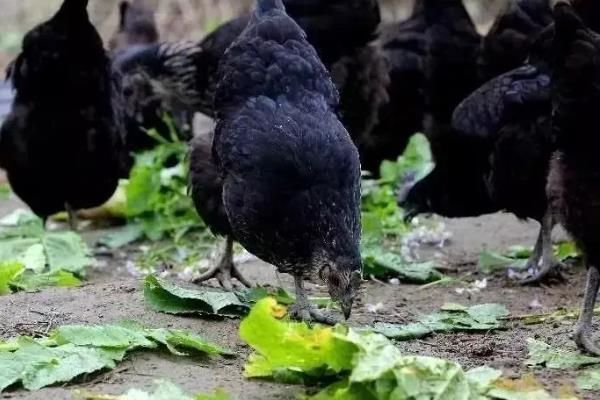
<point>542,354</point>
<point>517,257</point>
<point>37,366</point>
<point>380,262</point>
<point>527,388</point>
<point>123,236</point>
<point>73,350</point>
<point>452,318</point>
<point>490,262</point>
<point>29,281</point>
<point>103,336</point>
<point>167,297</point>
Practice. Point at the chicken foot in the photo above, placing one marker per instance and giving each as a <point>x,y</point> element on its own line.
<point>542,260</point>
<point>583,335</point>
<point>302,310</point>
<point>225,270</point>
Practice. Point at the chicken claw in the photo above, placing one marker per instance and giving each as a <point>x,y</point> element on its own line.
<point>225,271</point>
<point>302,310</point>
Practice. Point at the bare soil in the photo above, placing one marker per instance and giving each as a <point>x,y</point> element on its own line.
<point>112,295</point>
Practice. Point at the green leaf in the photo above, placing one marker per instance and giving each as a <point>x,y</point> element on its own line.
<point>49,258</point>
<point>380,262</point>
<point>103,336</point>
<point>8,272</point>
<point>73,350</point>
<point>29,281</point>
<point>64,363</point>
<point>482,378</point>
<point>34,258</point>
<point>37,366</point>
<point>15,249</point>
<point>566,250</point>
<point>156,192</point>
<point>452,318</point>
<point>165,296</point>
<point>175,339</point>
<point>367,364</point>
<point>122,237</point>
<point>66,251</point>
<point>542,354</point>
<point>490,262</point>
<point>282,344</point>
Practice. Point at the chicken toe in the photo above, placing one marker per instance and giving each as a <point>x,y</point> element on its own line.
<point>302,310</point>
<point>225,270</point>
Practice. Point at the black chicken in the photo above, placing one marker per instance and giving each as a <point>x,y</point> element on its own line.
<point>508,43</point>
<point>137,26</point>
<point>510,119</point>
<point>60,143</point>
<point>291,173</point>
<point>459,61</point>
<point>377,81</point>
<point>574,181</point>
<point>455,188</point>
<point>145,106</point>
<point>188,70</point>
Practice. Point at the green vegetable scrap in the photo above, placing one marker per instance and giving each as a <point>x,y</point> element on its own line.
<point>381,262</point>
<point>543,355</point>
<point>366,365</point>
<point>157,191</point>
<point>71,351</point>
<point>451,318</point>
<point>164,296</point>
<point>381,213</point>
<point>285,348</point>
<point>32,258</point>
<point>517,256</point>
<point>163,390</point>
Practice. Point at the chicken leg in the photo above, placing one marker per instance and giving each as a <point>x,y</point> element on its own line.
<point>542,260</point>
<point>583,334</point>
<point>304,311</point>
<point>72,215</point>
<point>225,270</point>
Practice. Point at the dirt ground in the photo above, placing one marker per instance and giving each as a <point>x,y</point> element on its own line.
<point>111,295</point>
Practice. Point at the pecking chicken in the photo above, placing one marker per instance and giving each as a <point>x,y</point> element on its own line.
<point>291,173</point>
<point>60,143</point>
<point>574,180</point>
